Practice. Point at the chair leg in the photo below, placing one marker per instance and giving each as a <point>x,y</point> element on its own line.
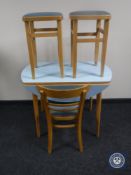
<point>50,134</point>
<point>36,113</point>
<point>60,48</point>
<point>98,114</point>
<point>79,135</point>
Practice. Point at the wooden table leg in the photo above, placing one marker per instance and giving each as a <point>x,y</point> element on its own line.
<point>42,103</point>
<point>98,113</point>
<point>36,114</point>
<point>90,104</point>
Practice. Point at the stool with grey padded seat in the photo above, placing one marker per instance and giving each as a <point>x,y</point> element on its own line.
<point>99,16</point>
<point>33,32</point>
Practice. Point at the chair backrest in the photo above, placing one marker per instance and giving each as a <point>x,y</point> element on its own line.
<point>70,92</point>
<point>63,91</point>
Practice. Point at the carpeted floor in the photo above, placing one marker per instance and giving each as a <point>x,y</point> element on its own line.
<point>21,153</point>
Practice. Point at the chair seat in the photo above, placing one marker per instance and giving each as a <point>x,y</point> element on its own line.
<point>90,14</point>
<point>42,15</point>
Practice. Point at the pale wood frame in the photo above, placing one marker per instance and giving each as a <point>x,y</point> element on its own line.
<point>32,33</point>
<point>75,34</point>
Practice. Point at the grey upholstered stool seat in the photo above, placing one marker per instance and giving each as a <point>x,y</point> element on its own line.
<point>90,14</point>
<point>43,15</point>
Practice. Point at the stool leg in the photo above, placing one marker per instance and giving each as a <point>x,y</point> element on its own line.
<point>98,25</point>
<point>98,113</point>
<point>104,46</point>
<point>71,43</point>
<point>34,43</point>
<point>30,49</point>
<point>74,47</point>
<point>36,113</point>
<point>60,48</point>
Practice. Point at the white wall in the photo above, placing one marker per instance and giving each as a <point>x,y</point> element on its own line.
<point>13,48</point>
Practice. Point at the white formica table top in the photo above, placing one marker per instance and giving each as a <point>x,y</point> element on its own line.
<point>49,73</point>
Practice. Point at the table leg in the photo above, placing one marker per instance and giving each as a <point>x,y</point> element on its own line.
<point>98,113</point>
<point>42,103</point>
<point>36,114</point>
<point>90,104</point>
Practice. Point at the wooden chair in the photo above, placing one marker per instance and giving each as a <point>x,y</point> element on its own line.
<point>99,16</point>
<point>32,33</point>
<point>67,112</point>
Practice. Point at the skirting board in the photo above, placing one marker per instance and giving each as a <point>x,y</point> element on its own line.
<point>113,100</point>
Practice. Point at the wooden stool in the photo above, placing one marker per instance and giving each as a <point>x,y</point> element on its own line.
<point>32,33</point>
<point>89,15</point>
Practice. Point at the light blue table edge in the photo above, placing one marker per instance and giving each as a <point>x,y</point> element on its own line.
<point>94,90</point>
